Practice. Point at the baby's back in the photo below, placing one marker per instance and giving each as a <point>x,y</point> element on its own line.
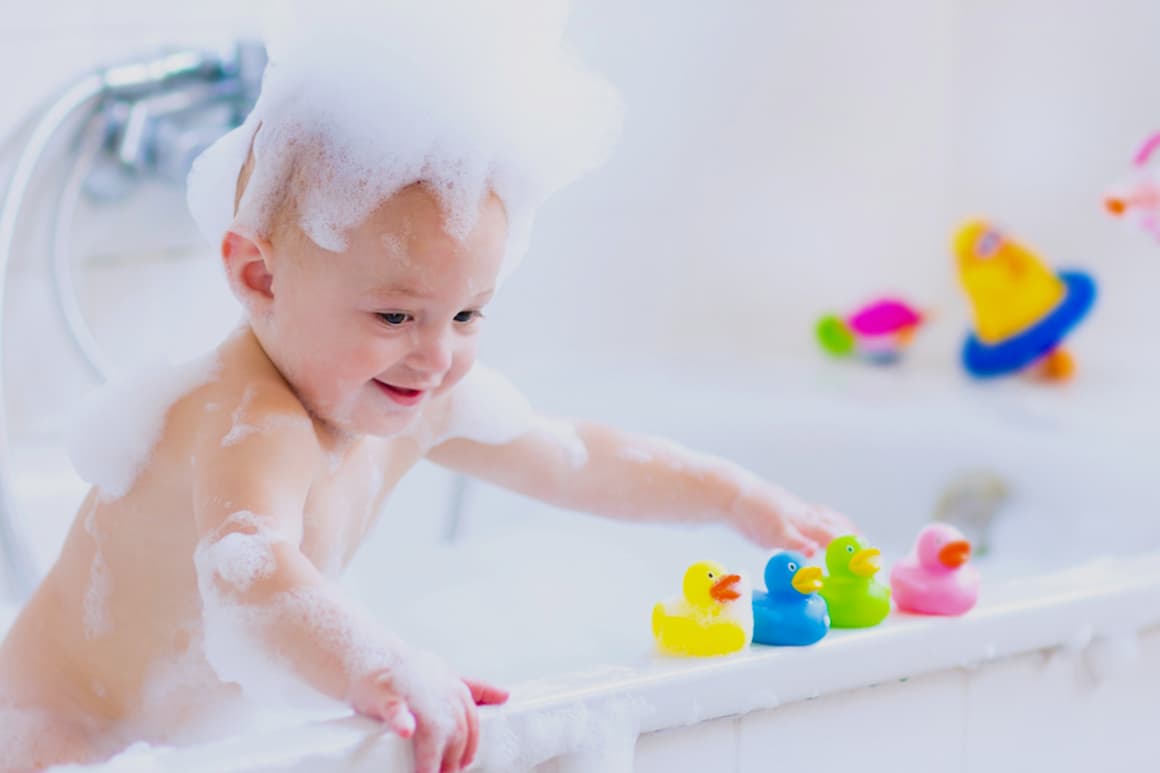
<point>115,630</point>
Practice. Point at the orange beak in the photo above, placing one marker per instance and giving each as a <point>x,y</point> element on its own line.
<point>723,589</point>
<point>955,554</point>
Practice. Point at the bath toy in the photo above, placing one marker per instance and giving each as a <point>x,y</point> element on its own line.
<point>1022,309</point>
<point>710,617</point>
<point>790,612</point>
<point>855,599</point>
<point>877,332</point>
<point>1137,199</point>
<point>935,579</point>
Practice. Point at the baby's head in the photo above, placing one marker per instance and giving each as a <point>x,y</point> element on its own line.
<point>366,334</point>
<point>386,181</point>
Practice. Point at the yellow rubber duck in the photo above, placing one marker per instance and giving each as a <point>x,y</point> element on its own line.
<point>711,617</point>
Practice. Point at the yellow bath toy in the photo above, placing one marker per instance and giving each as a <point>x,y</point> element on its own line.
<point>1022,309</point>
<point>712,616</point>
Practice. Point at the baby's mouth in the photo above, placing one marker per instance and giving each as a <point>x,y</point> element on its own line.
<point>401,395</point>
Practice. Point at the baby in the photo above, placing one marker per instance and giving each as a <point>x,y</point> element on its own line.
<point>210,558</point>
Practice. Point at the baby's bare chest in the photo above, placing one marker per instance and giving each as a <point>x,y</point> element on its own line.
<point>347,499</point>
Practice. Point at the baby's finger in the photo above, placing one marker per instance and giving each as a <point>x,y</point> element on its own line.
<point>793,539</point>
<point>472,736</point>
<point>428,748</point>
<point>818,531</point>
<point>453,751</point>
<point>399,718</point>
<point>838,523</point>
<point>486,694</point>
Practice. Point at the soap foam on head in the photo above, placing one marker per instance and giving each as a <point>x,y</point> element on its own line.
<point>362,99</point>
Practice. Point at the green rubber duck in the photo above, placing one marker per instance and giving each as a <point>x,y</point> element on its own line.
<point>855,598</point>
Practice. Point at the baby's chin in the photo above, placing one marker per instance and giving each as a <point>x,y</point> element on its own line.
<point>379,422</point>
<point>369,415</point>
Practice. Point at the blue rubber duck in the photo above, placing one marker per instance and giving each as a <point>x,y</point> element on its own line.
<point>790,612</point>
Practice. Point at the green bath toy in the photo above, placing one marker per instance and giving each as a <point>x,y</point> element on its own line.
<point>855,598</point>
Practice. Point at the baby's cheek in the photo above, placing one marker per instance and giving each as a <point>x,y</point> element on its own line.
<point>461,363</point>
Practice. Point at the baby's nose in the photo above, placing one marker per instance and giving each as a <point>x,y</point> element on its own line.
<point>431,354</point>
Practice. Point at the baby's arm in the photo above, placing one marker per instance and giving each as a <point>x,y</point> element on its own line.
<point>599,469</point>
<point>263,597</point>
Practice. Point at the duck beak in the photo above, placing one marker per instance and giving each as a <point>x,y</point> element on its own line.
<point>723,589</point>
<point>865,562</point>
<point>955,554</point>
<point>808,580</point>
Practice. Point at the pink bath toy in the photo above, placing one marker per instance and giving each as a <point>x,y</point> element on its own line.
<point>884,317</point>
<point>1137,198</point>
<point>935,579</point>
<point>877,332</point>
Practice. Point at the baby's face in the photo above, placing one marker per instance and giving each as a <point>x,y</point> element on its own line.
<point>367,336</point>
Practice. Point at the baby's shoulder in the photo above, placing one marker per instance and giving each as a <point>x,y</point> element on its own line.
<point>244,408</point>
<point>484,406</point>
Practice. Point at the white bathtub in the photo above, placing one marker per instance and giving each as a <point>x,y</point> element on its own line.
<point>1058,666</point>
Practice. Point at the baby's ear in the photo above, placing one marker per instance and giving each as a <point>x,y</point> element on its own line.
<point>247,268</point>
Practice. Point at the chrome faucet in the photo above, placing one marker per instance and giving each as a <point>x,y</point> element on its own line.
<point>154,117</point>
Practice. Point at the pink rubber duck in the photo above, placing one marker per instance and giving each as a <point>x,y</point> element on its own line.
<point>934,579</point>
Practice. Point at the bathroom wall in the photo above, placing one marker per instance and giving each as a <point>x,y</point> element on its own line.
<point>778,159</point>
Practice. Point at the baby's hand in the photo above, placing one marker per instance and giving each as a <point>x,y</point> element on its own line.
<point>423,698</point>
<point>774,518</point>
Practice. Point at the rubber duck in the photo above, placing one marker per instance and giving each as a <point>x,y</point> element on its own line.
<point>1022,309</point>
<point>878,332</point>
<point>790,612</point>
<point>855,599</point>
<point>935,578</point>
<point>710,617</point>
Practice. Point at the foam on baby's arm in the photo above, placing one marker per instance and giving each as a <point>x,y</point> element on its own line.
<point>582,465</point>
<point>273,623</point>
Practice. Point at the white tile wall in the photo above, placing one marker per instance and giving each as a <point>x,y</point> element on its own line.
<point>1050,710</point>
<point>1068,711</point>
<point>704,746</point>
<point>901,726</point>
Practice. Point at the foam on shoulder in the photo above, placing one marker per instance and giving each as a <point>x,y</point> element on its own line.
<point>115,429</point>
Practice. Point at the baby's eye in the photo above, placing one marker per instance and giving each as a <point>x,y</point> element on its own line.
<point>394,318</point>
<point>466,316</point>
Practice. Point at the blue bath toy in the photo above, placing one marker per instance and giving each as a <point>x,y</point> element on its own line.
<point>790,612</point>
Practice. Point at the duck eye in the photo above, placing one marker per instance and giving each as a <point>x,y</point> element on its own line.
<point>710,575</point>
<point>850,549</point>
<point>792,566</point>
